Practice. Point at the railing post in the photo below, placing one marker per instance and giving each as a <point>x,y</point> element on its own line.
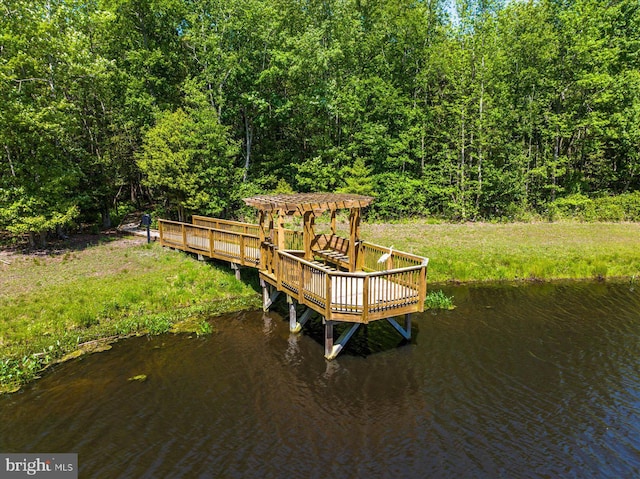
<point>184,235</point>
<point>212,246</point>
<point>262,239</point>
<point>365,300</point>
<point>301,279</point>
<point>160,233</point>
<point>242,249</point>
<point>422,288</point>
<point>329,293</point>
<point>361,252</point>
<point>280,274</point>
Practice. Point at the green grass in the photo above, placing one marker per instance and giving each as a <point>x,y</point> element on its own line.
<point>517,251</point>
<point>52,304</point>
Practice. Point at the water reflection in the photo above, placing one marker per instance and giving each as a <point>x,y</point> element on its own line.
<point>535,381</point>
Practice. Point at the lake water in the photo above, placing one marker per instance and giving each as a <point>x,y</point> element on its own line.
<point>517,381</point>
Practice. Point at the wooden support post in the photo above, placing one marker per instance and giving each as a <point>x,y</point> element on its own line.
<point>407,325</point>
<point>422,295</point>
<point>236,268</point>
<point>294,326</point>
<point>333,222</point>
<point>263,246</point>
<point>280,242</point>
<point>406,331</point>
<point>354,238</point>
<point>271,227</point>
<point>305,316</point>
<point>340,343</point>
<point>308,235</point>
<point>200,257</point>
<point>269,295</point>
<point>265,294</point>
<point>328,339</point>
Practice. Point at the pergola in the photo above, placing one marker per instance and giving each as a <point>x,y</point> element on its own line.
<point>345,280</point>
<point>308,206</point>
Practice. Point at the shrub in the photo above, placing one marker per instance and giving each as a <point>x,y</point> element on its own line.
<point>625,207</point>
<point>397,196</point>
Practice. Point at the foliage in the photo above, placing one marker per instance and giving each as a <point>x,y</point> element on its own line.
<point>494,112</point>
<point>625,207</point>
<point>189,159</point>
<point>399,196</point>
<point>438,300</point>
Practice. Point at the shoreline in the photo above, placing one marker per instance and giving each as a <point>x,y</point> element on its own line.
<point>109,277</point>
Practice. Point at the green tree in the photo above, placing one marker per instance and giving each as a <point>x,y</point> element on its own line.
<point>187,158</point>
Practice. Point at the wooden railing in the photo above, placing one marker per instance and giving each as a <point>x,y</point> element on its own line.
<point>369,255</point>
<point>354,297</point>
<point>227,225</point>
<point>236,247</point>
<point>378,290</point>
<point>292,239</point>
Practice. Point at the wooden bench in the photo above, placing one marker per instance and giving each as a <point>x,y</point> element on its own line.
<point>322,265</point>
<point>332,249</point>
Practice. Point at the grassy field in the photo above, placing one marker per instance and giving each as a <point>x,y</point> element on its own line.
<point>517,251</point>
<point>68,302</point>
<point>80,297</point>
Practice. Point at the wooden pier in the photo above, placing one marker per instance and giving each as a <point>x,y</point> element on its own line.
<point>342,279</point>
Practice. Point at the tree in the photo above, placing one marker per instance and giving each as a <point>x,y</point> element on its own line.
<point>187,158</point>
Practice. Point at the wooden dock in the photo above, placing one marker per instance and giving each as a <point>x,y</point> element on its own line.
<point>344,280</point>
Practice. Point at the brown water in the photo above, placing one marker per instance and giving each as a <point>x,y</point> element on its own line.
<point>532,381</point>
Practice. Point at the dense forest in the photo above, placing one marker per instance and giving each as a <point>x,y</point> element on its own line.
<point>461,109</point>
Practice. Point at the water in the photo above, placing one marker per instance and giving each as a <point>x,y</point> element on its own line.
<point>531,381</point>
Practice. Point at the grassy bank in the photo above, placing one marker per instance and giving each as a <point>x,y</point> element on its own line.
<point>78,299</point>
<point>517,251</point>
<point>52,305</point>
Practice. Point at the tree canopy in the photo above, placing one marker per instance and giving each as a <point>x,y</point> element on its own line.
<point>463,109</point>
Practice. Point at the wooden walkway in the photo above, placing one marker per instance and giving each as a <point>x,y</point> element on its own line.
<point>376,290</point>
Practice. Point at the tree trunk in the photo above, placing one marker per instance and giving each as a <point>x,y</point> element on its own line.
<point>480,136</point>
<point>106,218</point>
<point>248,130</point>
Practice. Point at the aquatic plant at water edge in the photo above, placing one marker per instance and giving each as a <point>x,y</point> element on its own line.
<point>438,300</point>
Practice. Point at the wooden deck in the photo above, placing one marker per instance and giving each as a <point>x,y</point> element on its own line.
<point>378,291</point>
<point>342,279</point>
